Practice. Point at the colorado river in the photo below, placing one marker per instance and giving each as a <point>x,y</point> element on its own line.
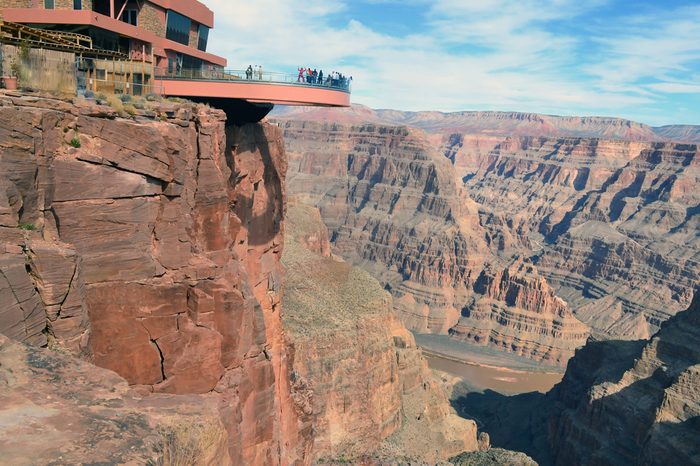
<point>499,379</point>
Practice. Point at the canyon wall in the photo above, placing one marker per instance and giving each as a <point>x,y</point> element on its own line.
<point>632,402</point>
<point>394,207</point>
<point>370,392</point>
<point>611,224</point>
<point>621,402</point>
<point>608,217</point>
<point>517,311</point>
<point>151,246</point>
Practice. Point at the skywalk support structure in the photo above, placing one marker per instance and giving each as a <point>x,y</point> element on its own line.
<point>170,37</point>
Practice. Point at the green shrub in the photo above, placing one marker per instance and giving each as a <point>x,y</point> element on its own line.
<point>75,142</point>
<point>130,109</point>
<point>27,226</point>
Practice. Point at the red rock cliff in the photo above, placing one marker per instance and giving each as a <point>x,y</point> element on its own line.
<point>517,311</point>
<point>153,248</point>
<point>371,392</point>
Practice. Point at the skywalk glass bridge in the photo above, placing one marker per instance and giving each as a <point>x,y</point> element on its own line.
<point>261,87</point>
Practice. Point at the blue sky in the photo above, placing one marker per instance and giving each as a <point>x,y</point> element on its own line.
<point>631,59</point>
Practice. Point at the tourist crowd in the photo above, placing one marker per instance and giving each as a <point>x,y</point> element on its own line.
<point>313,76</point>
<point>308,76</point>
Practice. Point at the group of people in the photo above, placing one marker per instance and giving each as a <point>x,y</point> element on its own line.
<point>312,76</point>
<point>307,75</point>
<point>254,73</point>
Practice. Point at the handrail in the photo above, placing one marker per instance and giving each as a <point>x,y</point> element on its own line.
<point>240,75</point>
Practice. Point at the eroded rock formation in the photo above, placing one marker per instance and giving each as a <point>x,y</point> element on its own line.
<point>394,207</point>
<point>601,218</point>
<point>607,215</point>
<point>620,402</point>
<point>370,390</point>
<point>516,310</point>
<point>391,204</point>
<point>152,247</point>
<point>625,404</point>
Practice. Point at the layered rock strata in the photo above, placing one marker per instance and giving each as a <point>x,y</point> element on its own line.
<point>517,311</point>
<point>151,245</point>
<point>369,389</point>
<point>500,124</point>
<point>606,214</point>
<point>394,208</point>
<point>641,407</point>
<point>602,218</point>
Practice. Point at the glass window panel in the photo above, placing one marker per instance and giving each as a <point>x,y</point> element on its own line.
<point>178,28</point>
<point>130,17</point>
<point>203,38</point>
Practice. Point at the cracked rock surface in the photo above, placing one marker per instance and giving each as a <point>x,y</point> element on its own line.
<point>153,250</point>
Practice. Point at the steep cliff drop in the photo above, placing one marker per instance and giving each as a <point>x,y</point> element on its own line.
<point>620,403</point>
<point>372,395</point>
<point>394,208</point>
<point>642,407</point>
<point>151,246</point>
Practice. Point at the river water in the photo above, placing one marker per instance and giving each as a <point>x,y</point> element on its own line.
<point>499,379</point>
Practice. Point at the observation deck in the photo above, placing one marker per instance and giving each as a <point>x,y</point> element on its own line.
<point>265,88</point>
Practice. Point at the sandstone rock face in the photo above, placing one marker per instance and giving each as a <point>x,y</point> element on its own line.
<point>391,201</point>
<point>602,218</point>
<point>622,403</point>
<point>394,207</point>
<point>608,216</point>
<point>55,409</point>
<point>153,249</point>
<point>369,389</point>
<point>520,313</point>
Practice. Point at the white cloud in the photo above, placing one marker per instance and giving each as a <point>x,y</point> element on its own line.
<point>676,88</point>
<point>487,54</point>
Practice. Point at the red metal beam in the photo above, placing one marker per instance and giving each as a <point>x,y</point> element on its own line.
<point>283,94</point>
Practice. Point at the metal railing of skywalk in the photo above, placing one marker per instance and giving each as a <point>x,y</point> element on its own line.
<point>331,82</point>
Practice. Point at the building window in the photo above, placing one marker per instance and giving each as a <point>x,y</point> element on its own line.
<point>77,4</point>
<point>48,4</point>
<point>191,64</point>
<point>178,28</point>
<point>203,38</point>
<point>130,17</point>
